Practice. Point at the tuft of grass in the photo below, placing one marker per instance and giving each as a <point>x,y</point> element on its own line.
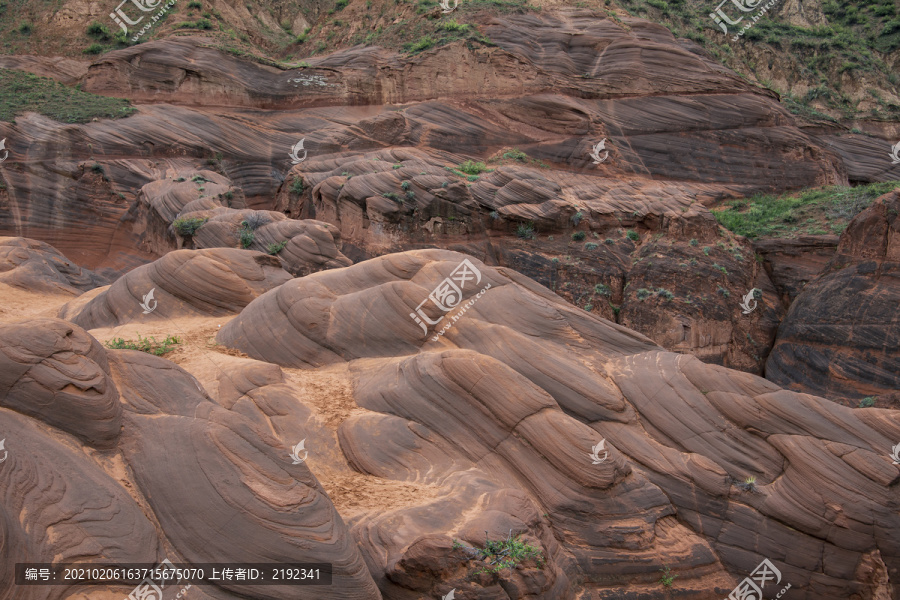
<point>188,226</point>
<point>148,344</point>
<point>22,92</point>
<point>94,49</point>
<point>25,28</point>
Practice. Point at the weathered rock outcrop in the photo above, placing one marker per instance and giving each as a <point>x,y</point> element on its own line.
<point>217,485</point>
<point>841,336</point>
<point>547,382</point>
<point>193,209</point>
<point>37,266</point>
<point>219,281</point>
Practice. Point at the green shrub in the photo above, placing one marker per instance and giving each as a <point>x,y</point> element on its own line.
<point>576,218</point>
<point>275,248</point>
<point>423,44</point>
<point>720,268</point>
<point>25,28</point>
<point>693,242</point>
<point>591,246</point>
<point>148,345</point>
<point>664,293</point>
<point>867,402</point>
<point>93,49</point>
<point>602,290</point>
<point>588,307</point>
<point>499,555</point>
<point>99,31</point>
<point>667,579</point>
<point>525,231</point>
<point>609,241</point>
<point>452,25</point>
<point>472,168</point>
<point>297,186</point>
<point>578,236</point>
<point>643,294</point>
<point>632,235</point>
<point>516,154</point>
<point>723,291</point>
<point>188,226</point>
<point>194,4</point>
<point>405,185</point>
<point>247,237</point>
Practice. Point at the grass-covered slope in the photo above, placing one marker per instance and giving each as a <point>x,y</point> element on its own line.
<point>22,92</point>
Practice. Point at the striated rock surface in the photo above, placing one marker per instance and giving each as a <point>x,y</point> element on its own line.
<point>55,372</point>
<point>34,265</point>
<point>841,336</point>
<point>519,399</point>
<point>185,282</point>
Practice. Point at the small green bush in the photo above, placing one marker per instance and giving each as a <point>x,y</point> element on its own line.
<point>93,49</point>
<point>148,345</point>
<point>525,231</point>
<point>578,236</point>
<point>405,185</point>
<point>667,579</point>
<point>643,294</point>
<point>247,237</point>
<point>194,4</point>
<point>25,28</point>
<point>275,248</point>
<point>602,290</point>
<point>632,235</point>
<point>664,293</point>
<point>99,31</point>
<point>392,196</point>
<point>867,402</point>
<point>499,555</point>
<point>188,226</point>
<point>297,186</point>
<point>591,246</point>
<point>694,242</point>
<point>576,218</point>
<point>516,154</point>
<point>472,168</point>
